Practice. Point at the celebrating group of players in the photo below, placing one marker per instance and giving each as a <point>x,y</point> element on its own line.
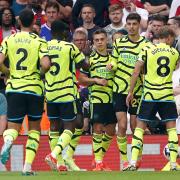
<point>136,78</point>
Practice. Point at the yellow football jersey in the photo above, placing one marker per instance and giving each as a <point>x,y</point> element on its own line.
<point>24,50</point>
<point>98,93</point>
<point>160,62</point>
<point>59,83</point>
<point>125,53</point>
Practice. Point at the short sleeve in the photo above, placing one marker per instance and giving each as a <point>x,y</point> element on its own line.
<point>142,55</point>
<point>43,51</point>
<point>77,55</point>
<point>4,47</point>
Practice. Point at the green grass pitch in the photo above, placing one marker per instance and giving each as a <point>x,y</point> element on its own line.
<point>114,175</point>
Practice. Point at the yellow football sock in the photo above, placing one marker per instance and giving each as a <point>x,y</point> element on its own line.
<point>137,143</point>
<point>63,141</point>
<point>53,139</point>
<point>74,142</point>
<point>106,141</point>
<point>167,167</point>
<point>32,146</point>
<point>10,135</point>
<point>172,144</point>
<point>122,145</point>
<point>97,146</point>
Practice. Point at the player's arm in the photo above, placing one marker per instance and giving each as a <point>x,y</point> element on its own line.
<point>84,64</point>
<point>3,53</point>
<point>137,70</point>
<point>44,57</point>
<point>45,64</point>
<point>3,68</point>
<point>112,66</point>
<point>79,59</point>
<point>87,81</point>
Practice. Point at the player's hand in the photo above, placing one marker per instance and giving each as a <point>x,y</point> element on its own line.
<point>129,99</point>
<point>109,67</point>
<point>102,82</point>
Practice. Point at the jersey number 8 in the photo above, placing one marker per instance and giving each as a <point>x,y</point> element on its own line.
<point>163,69</point>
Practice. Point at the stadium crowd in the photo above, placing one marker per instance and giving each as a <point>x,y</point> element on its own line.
<point>98,43</point>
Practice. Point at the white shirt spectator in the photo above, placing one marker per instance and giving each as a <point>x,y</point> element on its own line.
<point>175,4</point>
<point>142,12</point>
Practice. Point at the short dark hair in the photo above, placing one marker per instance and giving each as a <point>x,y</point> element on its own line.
<point>26,17</point>
<point>122,31</point>
<point>100,31</point>
<point>88,5</point>
<point>166,32</point>
<point>134,16</point>
<point>58,29</point>
<point>157,17</point>
<point>53,4</point>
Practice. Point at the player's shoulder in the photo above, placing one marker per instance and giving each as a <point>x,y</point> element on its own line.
<point>93,54</point>
<point>171,49</point>
<point>122,39</point>
<point>175,51</point>
<point>37,38</point>
<point>144,39</point>
<point>148,46</point>
<point>68,45</point>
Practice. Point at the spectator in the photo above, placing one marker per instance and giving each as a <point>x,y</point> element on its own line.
<point>120,2</point>
<point>65,7</point>
<point>160,6</point>
<point>7,23</point>
<point>88,15</point>
<point>18,6</point>
<point>117,2</point>
<point>101,9</point>
<point>175,8</point>
<point>129,7</point>
<point>4,4</point>
<point>115,16</point>
<point>174,24</point>
<point>37,28</point>
<point>52,13</point>
<point>35,5</point>
<point>7,27</point>
<point>80,39</point>
<point>155,23</point>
